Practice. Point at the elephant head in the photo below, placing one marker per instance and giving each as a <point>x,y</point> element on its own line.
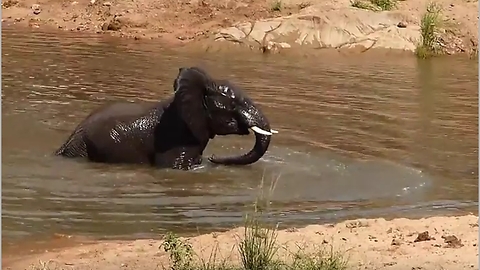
<point>212,107</point>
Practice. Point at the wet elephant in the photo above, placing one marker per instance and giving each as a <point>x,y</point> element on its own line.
<point>172,133</point>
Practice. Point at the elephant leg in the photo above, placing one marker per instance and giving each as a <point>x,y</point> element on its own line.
<point>183,158</point>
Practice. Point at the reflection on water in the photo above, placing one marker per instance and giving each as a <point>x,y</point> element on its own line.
<point>358,137</point>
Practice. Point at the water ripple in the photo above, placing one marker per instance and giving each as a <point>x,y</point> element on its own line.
<point>359,136</point>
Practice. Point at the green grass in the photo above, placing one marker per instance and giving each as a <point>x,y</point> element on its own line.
<point>429,31</point>
<point>375,5</point>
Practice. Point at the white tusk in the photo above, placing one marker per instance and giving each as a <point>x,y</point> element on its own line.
<point>260,131</point>
<point>273,131</point>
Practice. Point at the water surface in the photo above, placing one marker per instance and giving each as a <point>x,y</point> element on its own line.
<point>359,137</point>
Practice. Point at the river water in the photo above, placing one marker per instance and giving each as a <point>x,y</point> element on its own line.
<point>358,137</point>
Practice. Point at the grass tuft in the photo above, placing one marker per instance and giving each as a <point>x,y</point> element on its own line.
<point>276,5</point>
<point>374,5</point>
<point>320,260</point>
<point>180,252</point>
<point>258,248</point>
<point>429,32</point>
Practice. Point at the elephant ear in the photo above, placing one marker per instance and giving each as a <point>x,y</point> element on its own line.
<point>190,88</point>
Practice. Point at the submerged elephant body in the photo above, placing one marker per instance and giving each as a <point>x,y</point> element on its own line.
<point>172,133</point>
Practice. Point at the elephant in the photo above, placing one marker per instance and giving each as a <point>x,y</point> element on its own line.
<point>172,133</point>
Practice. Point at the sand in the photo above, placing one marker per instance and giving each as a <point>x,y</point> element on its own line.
<point>429,243</point>
<point>178,22</point>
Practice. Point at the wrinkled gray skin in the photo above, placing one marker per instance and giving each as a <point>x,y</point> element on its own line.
<point>172,133</point>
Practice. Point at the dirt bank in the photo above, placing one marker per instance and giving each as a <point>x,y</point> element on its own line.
<point>450,243</point>
<point>318,23</point>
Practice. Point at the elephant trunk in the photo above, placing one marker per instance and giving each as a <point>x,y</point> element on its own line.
<point>259,124</point>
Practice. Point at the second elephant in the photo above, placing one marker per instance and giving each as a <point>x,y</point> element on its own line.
<point>172,133</point>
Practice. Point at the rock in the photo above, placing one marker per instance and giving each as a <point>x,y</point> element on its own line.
<point>357,224</point>
<point>424,236</point>
<point>396,242</point>
<point>9,3</point>
<point>318,27</point>
<point>113,25</point>
<point>402,25</point>
<point>452,241</point>
<point>36,9</point>
<point>107,4</point>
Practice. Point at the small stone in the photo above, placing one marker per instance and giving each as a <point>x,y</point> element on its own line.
<point>36,9</point>
<point>396,242</point>
<point>355,223</point>
<point>107,4</point>
<point>93,2</point>
<point>9,3</point>
<point>74,3</point>
<point>105,26</point>
<point>402,25</point>
<point>424,236</point>
<point>285,45</point>
<point>452,241</point>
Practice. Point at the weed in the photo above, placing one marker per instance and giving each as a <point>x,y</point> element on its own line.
<point>258,248</point>
<point>180,253</point>
<point>276,5</point>
<point>384,4</point>
<point>303,5</point>
<point>362,4</point>
<point>429,26</point>
<point>319,260</point>
<point>375,5</point>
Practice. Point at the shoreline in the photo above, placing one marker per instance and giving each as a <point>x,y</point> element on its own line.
<point>217,25</point>
<point>452,243</point>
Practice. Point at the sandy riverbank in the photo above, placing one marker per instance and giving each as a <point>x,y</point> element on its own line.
<point>452,243</point>
<point>315,23</point>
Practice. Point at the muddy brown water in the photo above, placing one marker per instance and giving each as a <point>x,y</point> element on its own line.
<point>359,137</point>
